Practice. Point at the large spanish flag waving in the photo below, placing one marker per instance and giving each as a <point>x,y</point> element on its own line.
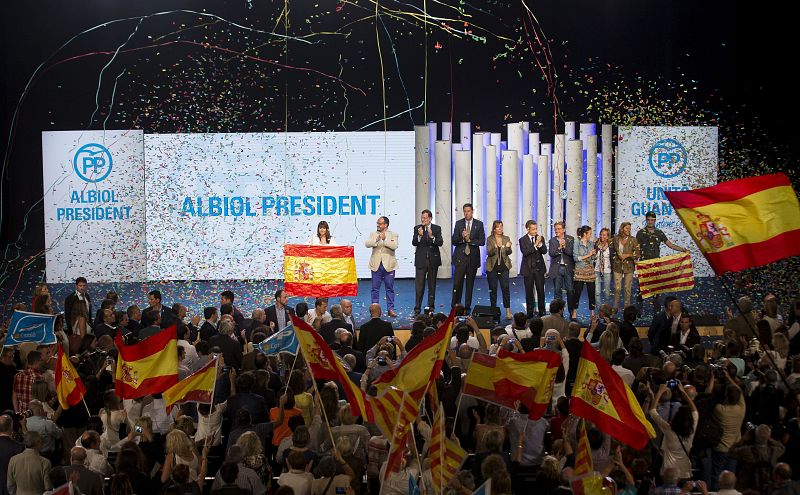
<point>148,367</point>
<point>510,378</point>
<point>69,387</point>
<point>601,396</point>
<point>742,223</point>
<point>319,271</point>
<point>197,387</point>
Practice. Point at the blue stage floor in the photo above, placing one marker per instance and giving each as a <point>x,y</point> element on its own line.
<point>707,299</point>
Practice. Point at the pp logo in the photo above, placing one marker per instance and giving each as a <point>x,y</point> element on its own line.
<point>92,162</point>
<point>668,158</point>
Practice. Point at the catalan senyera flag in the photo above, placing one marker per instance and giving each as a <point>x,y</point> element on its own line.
<point>671,273</point>
<point>742,223</point>
<point>69,386</point>
<point>509,378</point>
<point>409,410</point>
<point>324,365</point>
<point>600,396</point>
<point>319,271</point>
<point>446,455</point>
<point>583,454</point>
<point>148,367</point>
<point>197,387</point>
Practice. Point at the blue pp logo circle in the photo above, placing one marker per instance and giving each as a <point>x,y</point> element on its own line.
<point>92,162</point>
<point>668,158</point>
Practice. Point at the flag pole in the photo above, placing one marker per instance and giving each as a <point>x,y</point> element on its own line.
<point>460,396</point>
<point>442,428</point>
<point>87,407</point>
<point>322,406</point>
<point>211,404</point>
<point>753,331</point>
<point>413,441</point>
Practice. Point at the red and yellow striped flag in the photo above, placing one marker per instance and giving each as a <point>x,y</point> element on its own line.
<point>583,454</point>
<point>319,271</point>
<point>197,387</point>
<point>671,273</point>
<point>742,223</point>
<point>407,413</point>
<point>446,455</point>
<point>69,386</point>
<point>601,396</point>
<point>148,367</point>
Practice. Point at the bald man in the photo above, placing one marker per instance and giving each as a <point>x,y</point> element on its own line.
<point>90,482</point>
<point>375,329</point>
<point>727,484</point>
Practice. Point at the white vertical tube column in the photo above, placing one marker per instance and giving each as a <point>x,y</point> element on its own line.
<point>432,131</point>
<point>510,203</point>
<point>569,130</point>
<point>466,135</point>
<point>574,171</point>
<point>591,182</point>
<point>533,150</point>
<point>478,174</point>
<point>533,144</point>
<point>491,185</point>
<point>543,187</point>
<point>442,212</point>
<point>608,157</point>
<point>463,180</point>
<point>527,190</point>
<point>422,169</point>
<point>517,139</point>
<point>559,154</point>
<point>447,131</point>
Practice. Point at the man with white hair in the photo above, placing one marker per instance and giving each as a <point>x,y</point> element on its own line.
<point>89,481</point>
<point>727,484</point>
<point>228,344</point>
<point>328,330</point>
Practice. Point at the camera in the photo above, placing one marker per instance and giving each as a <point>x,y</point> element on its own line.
<point>672,383</point>
<point>390,340</point>
<point>382,361</point>
<point>427,310</point>
<point>749,426</point>
<point>461,319</point>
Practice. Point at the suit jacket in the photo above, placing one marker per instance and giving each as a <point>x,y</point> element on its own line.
<point>372,331</point>
<point>231,349</point>
<point>555,321</point>
<point>532,257</point>
<point>427,253</point>
<point>361,362</point>
<point>659,333</point>
<point>69,302</point>
<point>8,449</point>
<point>555,251</point>
<point>207,330</point>
<point>691,340</point>
<point>477,238</point>
<point>328,330</point>
<point>272,316</point>
<point>626,265</point>
<point>28,473</point>
<point>90,482</point>
<point>493,253</point>
<point>382,251</point>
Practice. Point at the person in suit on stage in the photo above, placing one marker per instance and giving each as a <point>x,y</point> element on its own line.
<point>687,335</point>
<point>323,236</point>
<point>328,330</point>
<point>166,314</point>
<point>498,264</point>
<point>562,265</point>
<point>209,327</point>
<point>279,314</point>
<point>383,262</point>
<point>78,308</point>
<point>427,238</point>
<point>226,297</point>
<point>533,268</point>
<point>375,329</point>
<point>468,237</point>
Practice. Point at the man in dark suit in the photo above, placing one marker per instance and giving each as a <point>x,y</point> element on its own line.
<point>134,320</point>
<point>209,327</point>
<point>8,448</point>
<point>279,314</point>
<point>231,349</point>
<point>81,295</point>
<point>562,265</point>
<point>166,314</point>
<point>468,237</point>
<point>375,329</point>
<point>687,335</point>
<point>658,335</point>
<point>427,238</point>
<point>328,330</point>
<point>533,268</point>
<point>346,347</point>
<point>106,325</point>
<point>226,297</point>
<point>89,482</point>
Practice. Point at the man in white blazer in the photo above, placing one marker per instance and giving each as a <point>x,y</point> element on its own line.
<point>383,262</point>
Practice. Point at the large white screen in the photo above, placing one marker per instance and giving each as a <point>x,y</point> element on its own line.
<point>274,184</point>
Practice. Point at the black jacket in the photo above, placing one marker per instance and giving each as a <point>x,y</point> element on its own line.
<point>69,302</point>
<point>207,330</point>
<point>328,330</point>
<point>372,331</point>
<point>272,316</point>
<point>532,257</point>
<point>427,252</point>
<point>477,238</point>
<point>231,349</point>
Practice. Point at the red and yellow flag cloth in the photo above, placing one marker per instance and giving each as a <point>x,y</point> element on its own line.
<point>319,271</point>
<point>600,396</point>
<point>666,274</point>
<point>148,367</point>
<point>197,387</point>
<point>742,223</point>
<point>446,455</point>
<point>401,434</point>
<point>510,378</point>
<point>69,386</point>
<point>324,365</point>
<point>585,481</point>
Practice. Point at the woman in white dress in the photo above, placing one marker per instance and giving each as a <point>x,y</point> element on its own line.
<point>323,236</point>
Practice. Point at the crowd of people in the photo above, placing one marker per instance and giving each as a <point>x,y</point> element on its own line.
<point>727,420</point>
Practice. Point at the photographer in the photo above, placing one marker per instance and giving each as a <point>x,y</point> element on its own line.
<point>756,454</point>
<point>380,357</point>
<point>679,434</point>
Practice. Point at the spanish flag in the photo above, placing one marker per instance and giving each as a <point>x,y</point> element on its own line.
<point>324,365</point>
<point>319,271</point>
<point>148,367</point>
<point>510,378</point>
<point>69,387</point>
<point>742,223</point>
<point>197,387</point>
<point>446,455</point>
<point>601,396</point>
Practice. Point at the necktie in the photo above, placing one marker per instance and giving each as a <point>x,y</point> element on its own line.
<point>469,229</point>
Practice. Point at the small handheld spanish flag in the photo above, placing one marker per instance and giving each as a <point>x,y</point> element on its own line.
<point>69,387</point>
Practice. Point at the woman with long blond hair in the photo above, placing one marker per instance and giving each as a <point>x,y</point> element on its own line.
<point>253,455</point>
<point>180,450</point>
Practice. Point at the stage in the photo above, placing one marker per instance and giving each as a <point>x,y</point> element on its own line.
<point>707,300</point>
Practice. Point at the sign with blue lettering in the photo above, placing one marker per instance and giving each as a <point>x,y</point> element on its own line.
<point>93,162</point>
<point>30,327</point>
<point>654,160</point>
